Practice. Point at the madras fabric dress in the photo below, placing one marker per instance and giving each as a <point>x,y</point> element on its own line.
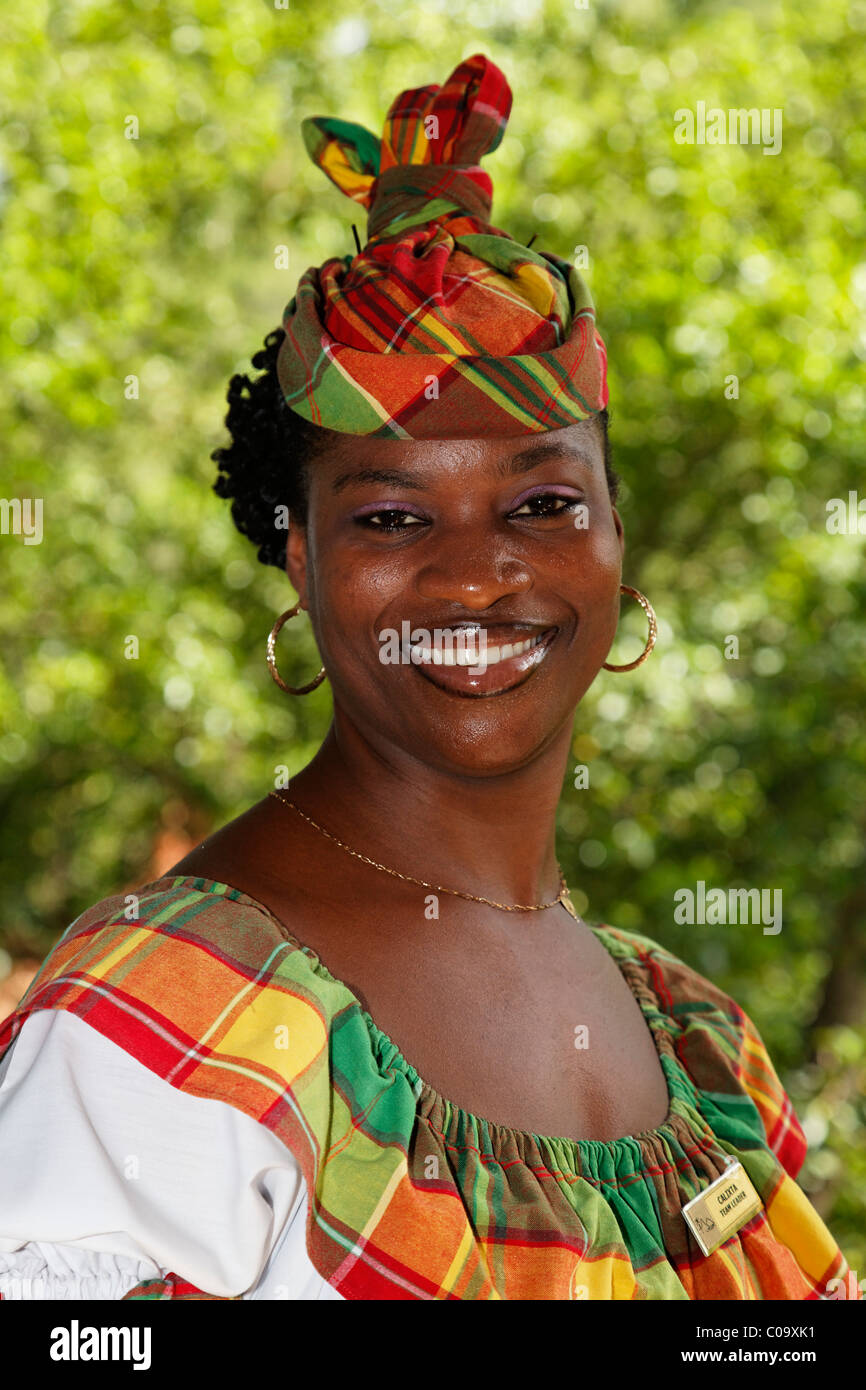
<point>411,1197</point>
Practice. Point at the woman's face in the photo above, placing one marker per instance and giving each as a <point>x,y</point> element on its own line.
<point>458,548</point>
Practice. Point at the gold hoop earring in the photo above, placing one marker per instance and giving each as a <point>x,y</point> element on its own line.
<point>272,665</point>
<point>653,629</point>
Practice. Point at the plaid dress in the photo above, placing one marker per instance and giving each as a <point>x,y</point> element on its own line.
<point>410,1196</point>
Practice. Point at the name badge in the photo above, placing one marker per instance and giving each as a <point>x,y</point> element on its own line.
<point>722,1208</point>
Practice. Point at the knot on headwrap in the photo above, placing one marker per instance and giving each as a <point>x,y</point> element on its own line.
<point>405,189</point>
<point>442,326</point>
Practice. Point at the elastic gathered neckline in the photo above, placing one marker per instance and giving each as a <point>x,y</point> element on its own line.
<point>505,1138</point>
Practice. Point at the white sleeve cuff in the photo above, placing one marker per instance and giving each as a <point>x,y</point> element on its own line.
<point>44,1271</point>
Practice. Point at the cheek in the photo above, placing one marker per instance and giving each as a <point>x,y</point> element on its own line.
<point>586,572</point>
<point>584,565</point>
<point>348,601</point>
<point>602,600</point>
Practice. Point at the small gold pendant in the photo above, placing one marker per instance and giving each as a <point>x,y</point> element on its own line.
<point>722,1208</point>
<point>569,907</point>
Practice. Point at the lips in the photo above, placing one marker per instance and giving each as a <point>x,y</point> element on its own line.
<point>480,661</point>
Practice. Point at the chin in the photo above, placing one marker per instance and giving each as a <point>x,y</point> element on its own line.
<point>482,738</point>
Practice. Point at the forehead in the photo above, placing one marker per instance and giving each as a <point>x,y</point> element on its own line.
<point>579,443</point>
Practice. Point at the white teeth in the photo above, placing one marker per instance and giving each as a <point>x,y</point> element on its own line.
<point>474,655</point>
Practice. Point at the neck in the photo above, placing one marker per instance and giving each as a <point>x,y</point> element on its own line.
<point>491,835</point>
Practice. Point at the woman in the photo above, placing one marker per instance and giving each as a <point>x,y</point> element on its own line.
<point>358,1044</point>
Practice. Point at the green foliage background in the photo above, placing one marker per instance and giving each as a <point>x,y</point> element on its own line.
<point>155,257</point>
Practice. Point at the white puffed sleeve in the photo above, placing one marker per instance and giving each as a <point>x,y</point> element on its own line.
<point>109,1176</point>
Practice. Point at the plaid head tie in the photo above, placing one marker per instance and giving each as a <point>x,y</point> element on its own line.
<point>442,326</point>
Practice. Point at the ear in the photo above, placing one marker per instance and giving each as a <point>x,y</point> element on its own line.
<point>296,559</point>
<point>620,531</point>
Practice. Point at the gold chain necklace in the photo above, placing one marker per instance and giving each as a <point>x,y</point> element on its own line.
<point>561,897</point>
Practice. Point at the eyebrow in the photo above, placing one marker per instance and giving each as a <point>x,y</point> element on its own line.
<point>521,462</point>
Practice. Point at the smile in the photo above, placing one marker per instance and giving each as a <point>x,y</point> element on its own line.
<point>478,669</point>
<point>472,653</point>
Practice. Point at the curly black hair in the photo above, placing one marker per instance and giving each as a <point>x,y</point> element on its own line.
<point>265,466</point>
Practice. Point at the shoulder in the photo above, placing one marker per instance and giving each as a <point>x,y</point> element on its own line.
<point>192,977</point>
<point>177,914</point>
<point>681,990</point>
<point>244,850</point>
<point>718,1044</point>
<point>701,1014</point>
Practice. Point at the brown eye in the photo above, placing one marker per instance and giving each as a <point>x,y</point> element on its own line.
<point>393,520</point>
<point>546,504</point>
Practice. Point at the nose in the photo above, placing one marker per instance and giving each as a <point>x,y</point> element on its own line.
<point>472,575</point>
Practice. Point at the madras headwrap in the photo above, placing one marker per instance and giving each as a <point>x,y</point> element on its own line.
<point>443,326</point>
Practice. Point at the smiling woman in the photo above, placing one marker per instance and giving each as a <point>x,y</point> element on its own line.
<point>366,1045</point>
